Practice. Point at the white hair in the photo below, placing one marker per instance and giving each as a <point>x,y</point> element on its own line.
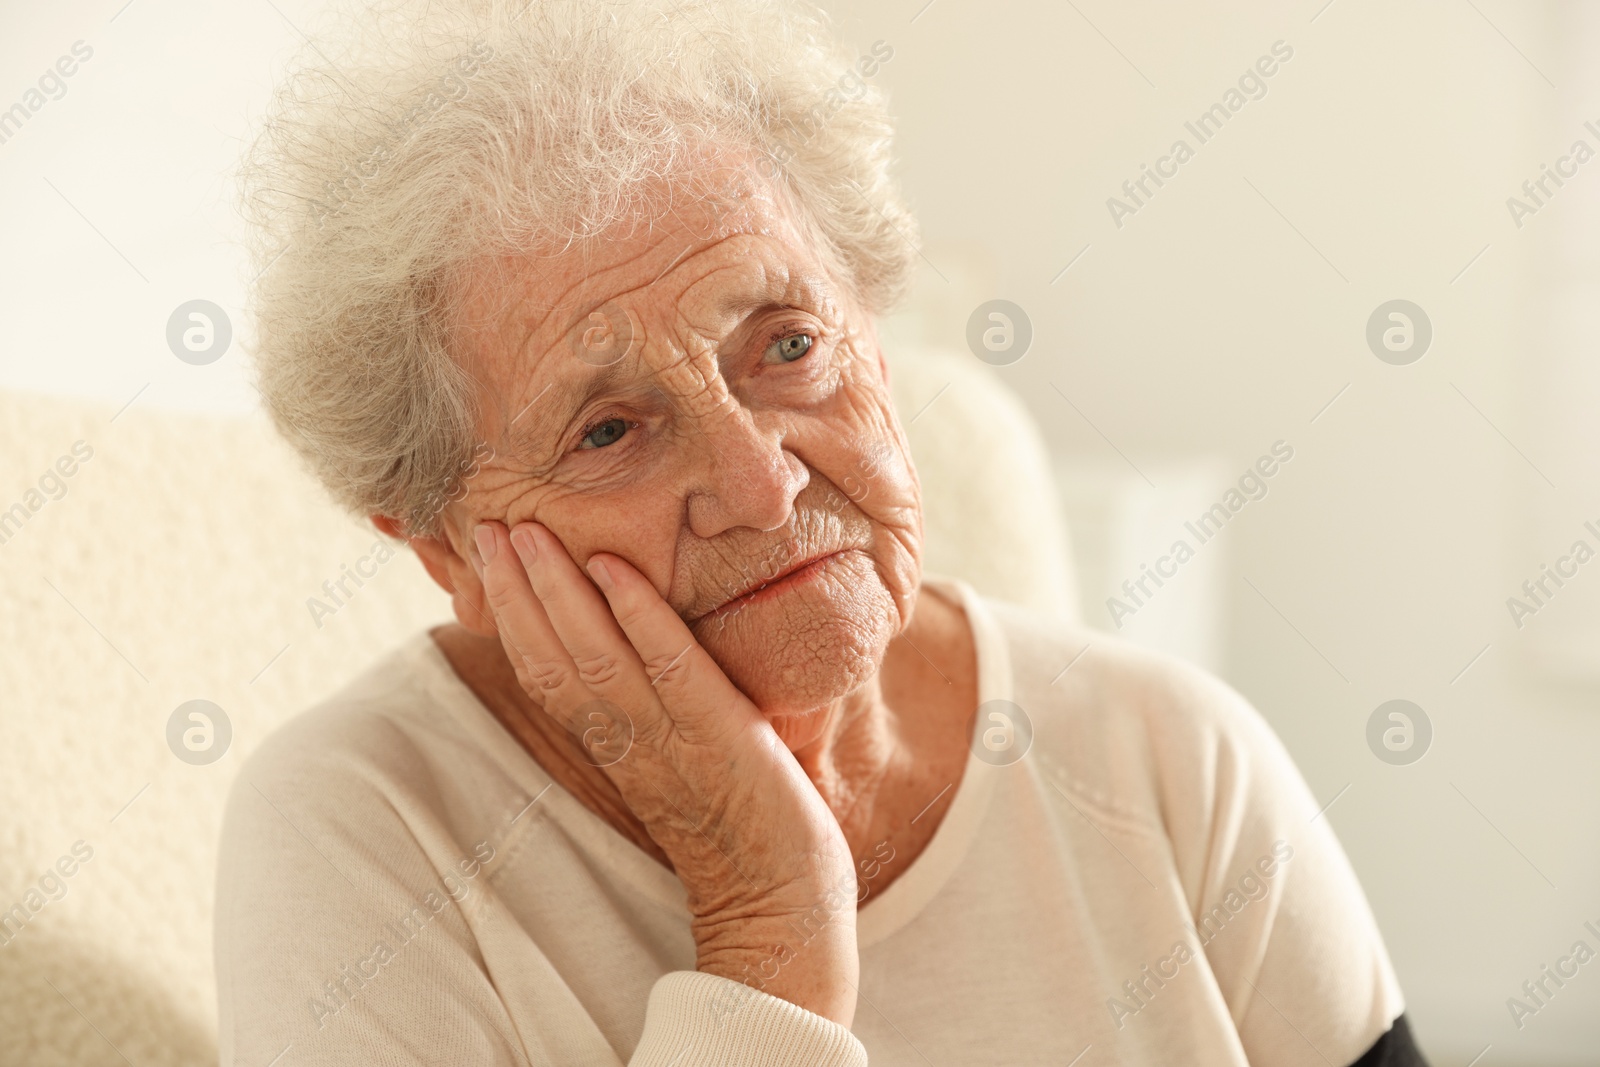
<point>436,134</point>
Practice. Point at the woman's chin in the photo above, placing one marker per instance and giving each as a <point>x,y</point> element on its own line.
<point>797,652</point>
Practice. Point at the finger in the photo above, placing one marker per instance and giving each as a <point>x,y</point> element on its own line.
<point>580,616</point>
<point>543,664</point>
<point>605,660</point>
<point>688,682</point>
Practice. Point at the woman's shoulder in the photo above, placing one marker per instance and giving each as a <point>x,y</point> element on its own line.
<point>371,717</point>
<point>1137,731</point>
<point>1071,670</point>
<point>389,746</point>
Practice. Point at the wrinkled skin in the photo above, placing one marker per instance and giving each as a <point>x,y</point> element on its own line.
<point>745,429</point>
<point>733,463</point>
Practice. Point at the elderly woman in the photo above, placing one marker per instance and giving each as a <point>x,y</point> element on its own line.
<point>578,299</point>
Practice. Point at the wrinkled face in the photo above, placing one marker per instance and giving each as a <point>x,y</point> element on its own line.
<point>708,401</point>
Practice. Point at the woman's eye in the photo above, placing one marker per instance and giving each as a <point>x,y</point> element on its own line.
<point>605,433</point>
<point>790,348</point>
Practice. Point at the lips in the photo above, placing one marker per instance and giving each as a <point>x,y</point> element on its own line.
<point>794,575</point>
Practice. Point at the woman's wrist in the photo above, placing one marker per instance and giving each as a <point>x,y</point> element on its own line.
<point>809,959</point>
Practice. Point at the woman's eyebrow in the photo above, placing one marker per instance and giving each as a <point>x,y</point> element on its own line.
<point>547,414</point>
<point>803,292</point>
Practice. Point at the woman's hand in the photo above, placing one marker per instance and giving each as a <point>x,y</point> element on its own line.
<point>770,880</point>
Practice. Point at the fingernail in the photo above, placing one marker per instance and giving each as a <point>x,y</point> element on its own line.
<point>522,541</point>
<point>486,542</point>
<point>600,573</point>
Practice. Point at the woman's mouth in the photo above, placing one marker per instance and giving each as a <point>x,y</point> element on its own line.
<point>800,574</point>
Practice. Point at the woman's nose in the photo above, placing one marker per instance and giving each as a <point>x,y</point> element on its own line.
<point>749,478</point>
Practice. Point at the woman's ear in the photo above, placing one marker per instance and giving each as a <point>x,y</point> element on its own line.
<point>454,568</point>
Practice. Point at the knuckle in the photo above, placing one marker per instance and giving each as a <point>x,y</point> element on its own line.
<point>500,595</point>
<point>649,731</point>
<point>668,670</point>
<point>541,676</point>
<point>630,613</point>
<point>597,668</point>
<point>674,679</point>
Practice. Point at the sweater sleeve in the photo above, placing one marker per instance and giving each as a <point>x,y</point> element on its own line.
<point>353,927</point>
<point>702,1020</point>
<point>345,929</point>
<point>1277,909</point>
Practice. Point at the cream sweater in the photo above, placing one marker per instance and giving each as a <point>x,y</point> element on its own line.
<point>401,883</point>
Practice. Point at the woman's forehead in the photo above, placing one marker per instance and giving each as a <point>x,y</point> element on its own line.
<point>671,220</point>
<point>659,309</point>
<point>667,279</point>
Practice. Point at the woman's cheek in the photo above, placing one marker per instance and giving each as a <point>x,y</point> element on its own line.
<point>897,511</point>
<point>640,526</point>
<point>883,483</point>
<point>857,444</point>
<point>874,477</point>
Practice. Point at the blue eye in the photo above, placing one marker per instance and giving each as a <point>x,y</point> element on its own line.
<point>607,432</point>
<point>791,347</point>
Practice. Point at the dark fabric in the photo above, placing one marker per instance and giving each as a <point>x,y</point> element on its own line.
<point>1394,1049</point>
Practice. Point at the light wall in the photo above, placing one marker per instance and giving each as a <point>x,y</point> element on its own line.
<point>1221,317</point>
<point>1225,314</point>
